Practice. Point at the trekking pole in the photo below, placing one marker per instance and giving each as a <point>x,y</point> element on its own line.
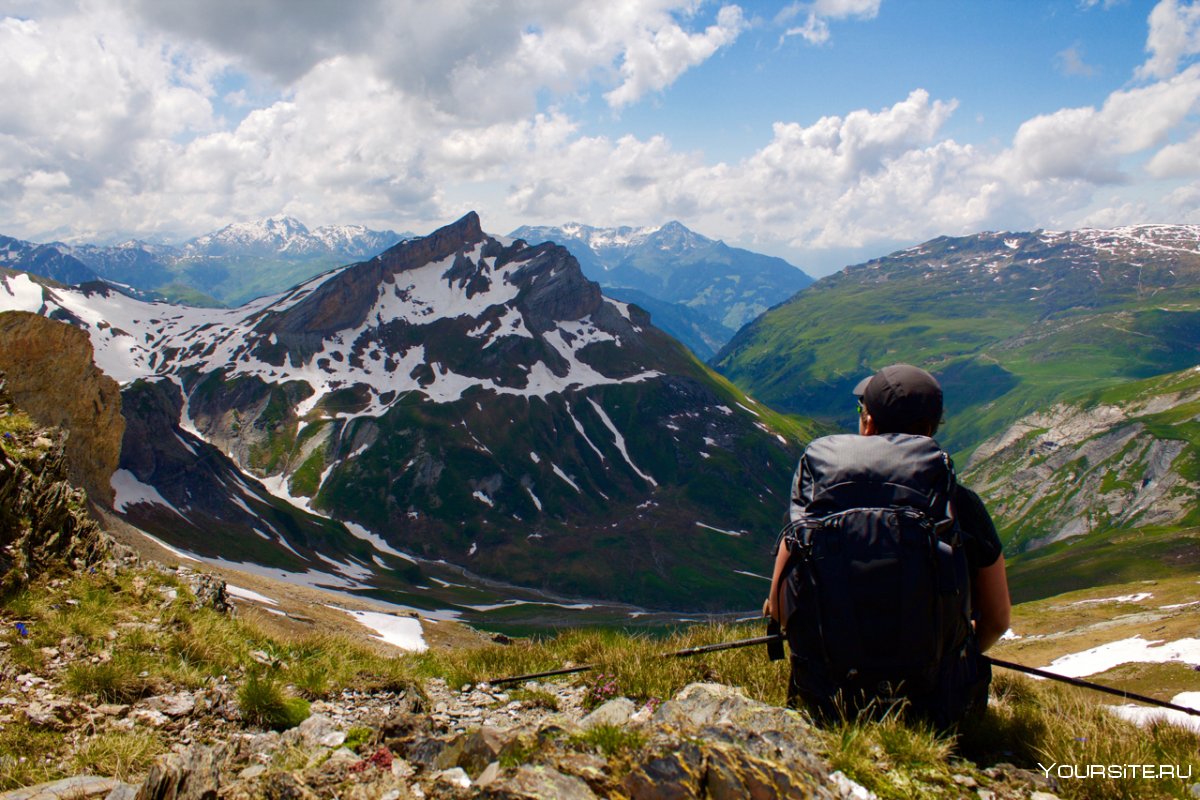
<point>689,651</point>
<point>1041,673</point>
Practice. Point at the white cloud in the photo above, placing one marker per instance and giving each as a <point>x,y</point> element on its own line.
<point>659,57</point>
<point>1181,160</point>
<point>815,28</point>
<point>1174,36</point>
<point>485,61</point>
<point>407,126</point>
<point>1088,143</point>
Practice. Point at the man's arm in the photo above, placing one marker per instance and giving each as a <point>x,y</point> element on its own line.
<point>989,596</point>
<point>771,608</point>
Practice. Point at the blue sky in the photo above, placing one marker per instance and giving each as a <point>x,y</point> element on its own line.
<point>825,131</point>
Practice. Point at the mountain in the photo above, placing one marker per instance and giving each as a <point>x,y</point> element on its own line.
<point>237,263</point>
<point>1009,322</point>
<point>1098,489</point>
<point>45,260</point>
<point>458,397</point>
<point>281,235</point>
<point>724,286</point>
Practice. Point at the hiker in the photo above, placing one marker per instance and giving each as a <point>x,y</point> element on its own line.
<point>889,579</point>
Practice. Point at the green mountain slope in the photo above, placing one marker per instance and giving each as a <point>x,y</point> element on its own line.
<point>1098,489</point>
<point>1009,322</point>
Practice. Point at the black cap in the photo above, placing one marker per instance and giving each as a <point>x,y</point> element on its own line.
<point>900,396</point>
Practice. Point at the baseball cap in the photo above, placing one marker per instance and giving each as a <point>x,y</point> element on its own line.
<point>899,395</point>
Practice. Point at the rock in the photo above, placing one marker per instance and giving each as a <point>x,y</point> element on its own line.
<point>473,751</point>
<point>615,712</point>
<point>672,775</point>
<point>209,590</point>
<point>343,757</point>
<point>489,775</point>
<point>731,774</point>
<point>79,787</point>
<point>539,783</point>
<point>317,731</point>
<point>284,786</point>
<point>190,775</point>
<point>149,716</point>
<point>52,714</point>
<point>172,705</point>
<point>111,709</point>
<point>122,791</point>
<point>849,788</point>
<point>51,375</point>
<point>454,777</point>
<point>251,772</point>
<point>721,713</point>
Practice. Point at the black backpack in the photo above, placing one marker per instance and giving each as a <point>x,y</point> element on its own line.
<point>876,592</point>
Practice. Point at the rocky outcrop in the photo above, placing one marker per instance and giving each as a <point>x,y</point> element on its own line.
<point>1076,468</point>
<point>51,376</point>
<point>43,518</point>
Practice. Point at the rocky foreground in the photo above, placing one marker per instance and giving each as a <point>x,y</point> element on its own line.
<point>709,741</point>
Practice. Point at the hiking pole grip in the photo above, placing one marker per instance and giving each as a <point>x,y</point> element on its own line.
<point>775,645</point>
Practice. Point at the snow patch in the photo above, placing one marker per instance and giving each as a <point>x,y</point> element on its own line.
<point>1124,598</point>
<point>129,491</point>
<point>720,530</point>
<point>402,632</point>
<point>565,477</point>
<point>1135,649</point>
<point>620,441</point>
<point>248,594</point>
<point>1144,715</point>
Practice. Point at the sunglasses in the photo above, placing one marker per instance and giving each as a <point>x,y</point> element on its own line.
<point>860,407</point>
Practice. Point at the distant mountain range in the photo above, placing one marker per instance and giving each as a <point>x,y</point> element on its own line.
<point>454,398</point>
<point>1010,322</point>
<point>699,290</point>
<point>230,266</point>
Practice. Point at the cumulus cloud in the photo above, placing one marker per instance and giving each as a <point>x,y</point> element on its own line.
<point>366,117</point>
<point>1174,36</point>
<point>471,59</point>
<point>815,27</point>
<point>655,60</point>
<point>1088,143</point>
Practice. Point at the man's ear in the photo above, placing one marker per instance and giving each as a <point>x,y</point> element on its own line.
<point>866,425</point>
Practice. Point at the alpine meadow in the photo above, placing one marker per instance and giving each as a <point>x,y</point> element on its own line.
<point>648,399</point>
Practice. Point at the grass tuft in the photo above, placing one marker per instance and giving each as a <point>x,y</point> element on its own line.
<point>119,754</point>
<point>611,739</point>
<point>263,702</point>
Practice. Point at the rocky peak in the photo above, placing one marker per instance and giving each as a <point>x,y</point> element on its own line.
<point>51,375</point>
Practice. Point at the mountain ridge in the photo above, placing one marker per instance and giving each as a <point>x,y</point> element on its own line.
<point>678,267</point>
<point>1008,321</point>
<point>472,399</point>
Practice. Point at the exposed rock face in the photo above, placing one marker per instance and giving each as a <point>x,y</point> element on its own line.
<point>51,376</point>
<point>43,520</point>
<point>1077,468</point>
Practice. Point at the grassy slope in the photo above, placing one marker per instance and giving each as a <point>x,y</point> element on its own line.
<point>161,643</point>
<point>1000,349</point>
